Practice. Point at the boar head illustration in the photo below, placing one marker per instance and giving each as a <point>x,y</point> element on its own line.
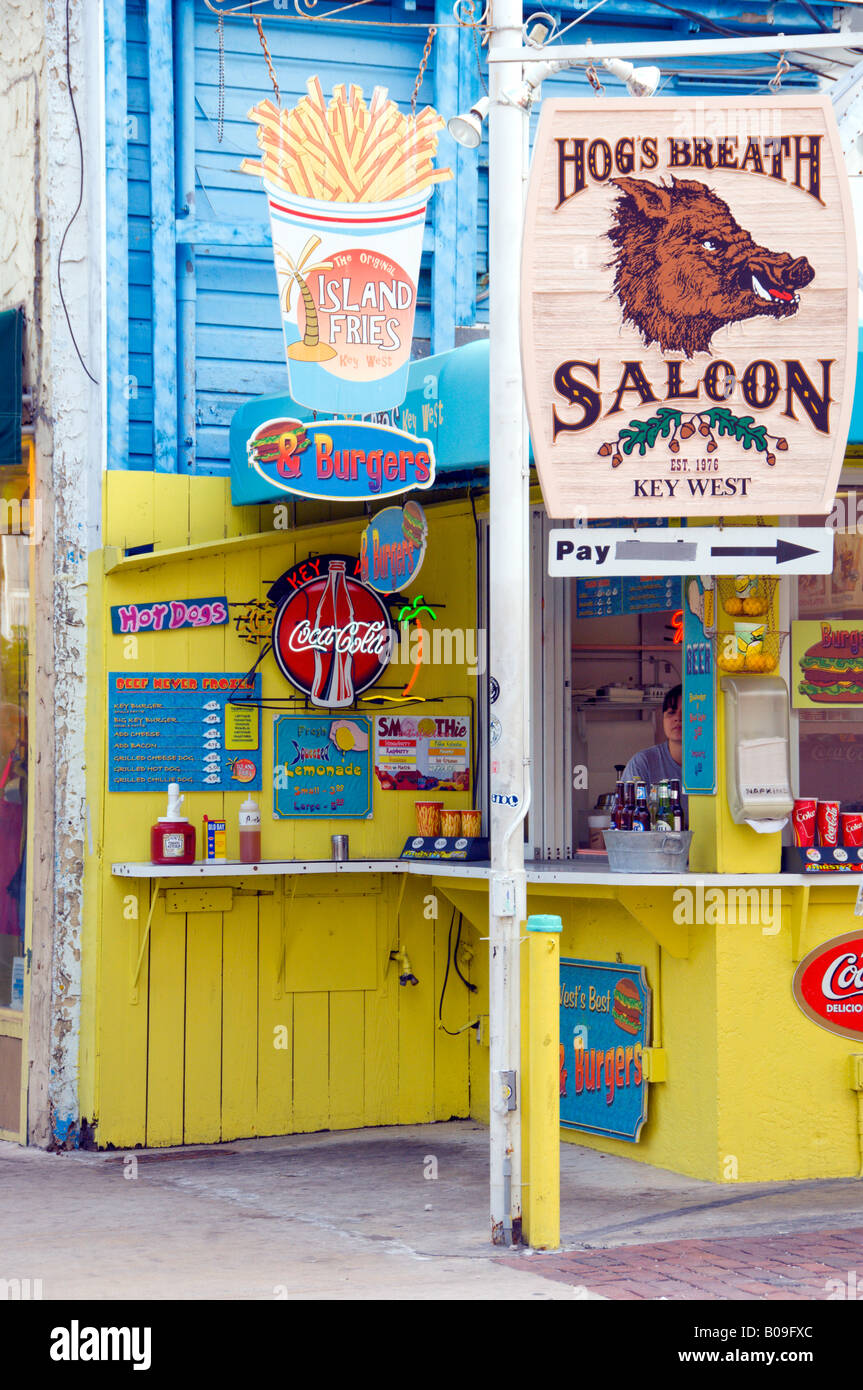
<point>684,268</point>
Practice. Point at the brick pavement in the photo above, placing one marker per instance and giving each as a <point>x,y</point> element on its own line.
<point>752,1268</point>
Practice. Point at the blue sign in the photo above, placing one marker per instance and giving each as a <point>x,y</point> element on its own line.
<point>338,460</point>
<point>604,1027</point>
<point>322,767</point>
<point>699,693</point>
<point>393,547</point>
<point>167,728</point>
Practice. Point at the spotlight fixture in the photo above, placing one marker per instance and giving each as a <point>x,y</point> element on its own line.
<point>466,130</point>
<point>640,82</point>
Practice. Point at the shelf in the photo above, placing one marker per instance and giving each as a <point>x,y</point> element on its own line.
<point>537,871</point>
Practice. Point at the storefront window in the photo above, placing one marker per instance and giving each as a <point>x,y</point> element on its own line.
<point>830,725</point>
<point>15,553</point>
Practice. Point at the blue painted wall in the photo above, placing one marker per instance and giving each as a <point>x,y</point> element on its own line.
<point>237,350</point>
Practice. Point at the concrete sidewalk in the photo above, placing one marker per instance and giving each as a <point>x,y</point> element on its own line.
<point>397,1213</point>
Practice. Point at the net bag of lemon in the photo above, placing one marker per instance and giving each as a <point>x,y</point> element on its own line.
<point>347,185</point>
<point>753,645</point>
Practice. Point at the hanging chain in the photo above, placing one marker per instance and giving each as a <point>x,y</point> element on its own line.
<point>473,24</point>
<point>260,28</point>
<point>782,66</point>
<point>422,69</point>
<point>594,81</point>
<point>220,133</point>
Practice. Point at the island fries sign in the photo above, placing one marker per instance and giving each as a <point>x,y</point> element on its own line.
<point>347,186</point>
<point>689,306</point>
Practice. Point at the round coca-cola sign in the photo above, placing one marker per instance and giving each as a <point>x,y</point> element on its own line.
<point>828,985</point>
<point>332,635</point>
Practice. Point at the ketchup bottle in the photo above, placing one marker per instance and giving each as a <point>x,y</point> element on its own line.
<point>172,838</point>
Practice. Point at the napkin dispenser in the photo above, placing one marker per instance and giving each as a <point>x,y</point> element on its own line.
<point>757,751</point>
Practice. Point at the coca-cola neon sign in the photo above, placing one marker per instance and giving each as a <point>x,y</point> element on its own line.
<point>828,985</point>
<point>332,634</point>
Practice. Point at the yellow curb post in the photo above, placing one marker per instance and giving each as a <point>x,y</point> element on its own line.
<point>543,1205</point>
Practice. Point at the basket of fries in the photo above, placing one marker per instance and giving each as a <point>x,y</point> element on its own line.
<point>347,186</point>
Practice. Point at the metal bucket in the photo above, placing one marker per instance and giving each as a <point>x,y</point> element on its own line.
<point>647,851</point>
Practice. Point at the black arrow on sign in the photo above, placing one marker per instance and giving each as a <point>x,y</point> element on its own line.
<point>781,552</point>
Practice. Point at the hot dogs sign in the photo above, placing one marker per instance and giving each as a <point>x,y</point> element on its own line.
<point>689,290</point>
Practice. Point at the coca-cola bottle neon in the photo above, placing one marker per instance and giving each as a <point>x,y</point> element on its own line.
<point>333,684</point>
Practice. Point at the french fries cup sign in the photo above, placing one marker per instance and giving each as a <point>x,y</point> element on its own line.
<point>347,186</point>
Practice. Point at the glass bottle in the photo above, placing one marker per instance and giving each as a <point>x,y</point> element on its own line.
<point>676,805</point>
<point>641,815</point>
<point>663,807</point>
<point>619,808</point>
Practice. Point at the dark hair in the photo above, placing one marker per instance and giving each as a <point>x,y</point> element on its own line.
<point>673,698</point>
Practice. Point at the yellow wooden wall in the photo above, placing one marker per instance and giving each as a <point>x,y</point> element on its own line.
<point>192,1055</point>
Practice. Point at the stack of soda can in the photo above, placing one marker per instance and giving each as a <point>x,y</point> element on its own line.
<point>832,826</point>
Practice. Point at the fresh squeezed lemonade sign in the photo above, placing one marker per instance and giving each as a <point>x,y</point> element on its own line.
<point>347,186</point>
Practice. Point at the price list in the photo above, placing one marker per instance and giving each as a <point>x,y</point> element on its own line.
<point>164,728</point>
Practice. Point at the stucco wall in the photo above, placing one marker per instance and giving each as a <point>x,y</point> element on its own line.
<point>41,173</point>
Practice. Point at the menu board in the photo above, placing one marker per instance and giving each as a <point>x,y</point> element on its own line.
<point>423,753</point>
<point>599,598</point>
<point>321,767</point>
<point>699,692</point>
<point>168,728</point>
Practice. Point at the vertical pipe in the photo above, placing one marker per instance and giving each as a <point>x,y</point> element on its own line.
<point>466,189</point>
<point>445,196</point>
<point>163,232</point>
<point>184,108</point>
<point>509,628</point>
<point>117,234</point>
<point>543,1067</point>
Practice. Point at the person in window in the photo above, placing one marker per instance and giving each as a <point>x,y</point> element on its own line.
<point>663,759</point>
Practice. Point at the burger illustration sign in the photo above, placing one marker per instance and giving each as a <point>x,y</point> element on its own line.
<point>689,306</point>
<point>826,664</point>
<point>605,1025</point>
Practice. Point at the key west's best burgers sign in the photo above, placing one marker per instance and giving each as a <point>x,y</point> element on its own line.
<point>689,307</point>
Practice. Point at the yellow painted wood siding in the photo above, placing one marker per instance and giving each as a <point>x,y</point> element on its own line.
<point>283,1014</point>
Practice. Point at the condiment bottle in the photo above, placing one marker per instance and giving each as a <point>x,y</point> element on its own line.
<point>250,832</point>
<point>172,838</point>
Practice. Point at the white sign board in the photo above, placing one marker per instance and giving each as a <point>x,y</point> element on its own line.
<point>582,552</point>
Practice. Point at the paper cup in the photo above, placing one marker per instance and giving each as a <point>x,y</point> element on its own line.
<point>450,823</point>
<point>428,817</point>
<point>349,324</point>
<point>471,824</point>
<point>750,638</point>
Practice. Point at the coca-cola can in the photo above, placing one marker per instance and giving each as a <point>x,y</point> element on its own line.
<point>803,822</point>
<point>827,821</point>
<point>852,828</point>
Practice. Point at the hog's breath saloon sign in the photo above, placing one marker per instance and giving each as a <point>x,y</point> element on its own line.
<point>689,297</point>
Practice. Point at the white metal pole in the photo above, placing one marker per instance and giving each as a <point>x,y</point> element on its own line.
<point>706,48</point>
<point>509,627</point>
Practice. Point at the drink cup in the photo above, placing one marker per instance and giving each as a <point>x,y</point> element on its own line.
<point>827,822</point>
<point>450,823</point>
<point>803,822</point>
<point>471,823</point>
<point>373,252</point>
<point>852,828</point>
<point>428,817</point>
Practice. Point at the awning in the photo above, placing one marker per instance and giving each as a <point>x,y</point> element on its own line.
<point>11,364</point>
<point>446,402</point>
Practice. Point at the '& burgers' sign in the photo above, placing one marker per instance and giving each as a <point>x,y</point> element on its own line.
<point>689,292</point>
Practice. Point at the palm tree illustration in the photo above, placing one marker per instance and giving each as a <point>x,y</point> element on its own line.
<point>311,349</point>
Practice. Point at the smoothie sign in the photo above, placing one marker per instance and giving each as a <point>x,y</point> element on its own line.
<point>689,307</point>
<point>347,185</point>
<point>604,1029</point>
